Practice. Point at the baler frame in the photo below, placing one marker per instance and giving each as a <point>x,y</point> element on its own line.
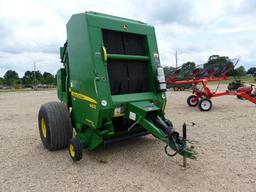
<point>111,86</point>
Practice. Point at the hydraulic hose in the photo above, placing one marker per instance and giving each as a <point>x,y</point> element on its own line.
<point>172,135</point>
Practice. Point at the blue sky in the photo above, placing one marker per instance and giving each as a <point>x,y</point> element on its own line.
<point>33,30</point>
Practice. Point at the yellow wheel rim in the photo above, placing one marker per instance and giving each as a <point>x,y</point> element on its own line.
<point>71,150</point>
<point>43,126</point>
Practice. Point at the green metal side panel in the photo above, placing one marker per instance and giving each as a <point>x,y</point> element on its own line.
<point>82,75</point>
<point>61,85</point>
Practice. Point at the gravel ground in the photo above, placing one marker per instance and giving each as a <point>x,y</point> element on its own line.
<point>223,137</point>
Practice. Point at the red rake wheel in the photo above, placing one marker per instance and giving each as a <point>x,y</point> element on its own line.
<point>205,104</point>
<point>192,101</point>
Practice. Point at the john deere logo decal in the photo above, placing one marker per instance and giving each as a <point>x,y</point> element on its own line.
<point>125,27</point>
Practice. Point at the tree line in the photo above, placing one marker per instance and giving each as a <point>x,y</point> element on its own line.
<point>32,78</point>
<point>29,79</point>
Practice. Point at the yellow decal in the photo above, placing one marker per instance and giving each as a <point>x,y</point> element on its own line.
<point>164,105</point>
<point>83,97</point>
<point>92,105</point>
<point>105,56</point>
<point>119,115</point>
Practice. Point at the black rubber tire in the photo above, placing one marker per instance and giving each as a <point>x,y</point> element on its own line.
<point>201,104</point>
<point>182,88</point>
<point>175,88</point>
<point>239,97</point>
<point>189,101</point>
<point>58,125</point>
<point>76,148</point>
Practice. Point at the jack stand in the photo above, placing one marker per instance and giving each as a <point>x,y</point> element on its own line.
<point>184,129</point>
<point>184,162</point>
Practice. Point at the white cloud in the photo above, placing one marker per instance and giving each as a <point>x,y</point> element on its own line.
<point>24,61</point>
<point>33,30</point>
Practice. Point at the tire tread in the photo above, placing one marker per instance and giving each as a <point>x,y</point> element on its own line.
<point>59,124</point>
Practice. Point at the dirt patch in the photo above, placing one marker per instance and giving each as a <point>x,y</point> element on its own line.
<point>224,138</point>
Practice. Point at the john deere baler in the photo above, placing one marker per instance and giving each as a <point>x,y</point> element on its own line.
<point>111,87</point>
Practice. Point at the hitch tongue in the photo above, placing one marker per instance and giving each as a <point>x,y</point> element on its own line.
<point>148,118</point>
<point>180,145</point>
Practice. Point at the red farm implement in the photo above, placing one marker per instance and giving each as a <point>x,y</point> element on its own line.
<point>202,96</point>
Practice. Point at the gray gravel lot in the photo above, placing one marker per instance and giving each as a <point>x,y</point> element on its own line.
<point>224,137</point>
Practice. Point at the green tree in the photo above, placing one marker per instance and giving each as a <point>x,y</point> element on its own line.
<point>252,70</point>
<point>1,80</point>
<point>11,77</point>
<point>223,61</point>
<point>168,70</point>
<point>241,71</point>
<point>233,73</point>
<point>48,78</point>
<point>189,63</point>
<point>186,70</point>
<point>39,77</point>
<point>213,59</point>
<point>188,66</point>
<point>32,78</point>
<point>218,61</point>
<point>28,78</point>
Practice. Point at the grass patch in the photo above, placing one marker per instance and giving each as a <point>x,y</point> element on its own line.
<point>246,79</point>
<point>24,90</point>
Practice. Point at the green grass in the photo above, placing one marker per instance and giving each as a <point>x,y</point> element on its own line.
<point>24,90</point>
<point>246,79</point>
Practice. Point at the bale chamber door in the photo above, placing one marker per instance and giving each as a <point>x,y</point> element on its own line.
<point>126,75</point>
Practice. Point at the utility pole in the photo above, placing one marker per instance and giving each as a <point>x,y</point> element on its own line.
<point>34,73</point>
<point>176,58</point>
